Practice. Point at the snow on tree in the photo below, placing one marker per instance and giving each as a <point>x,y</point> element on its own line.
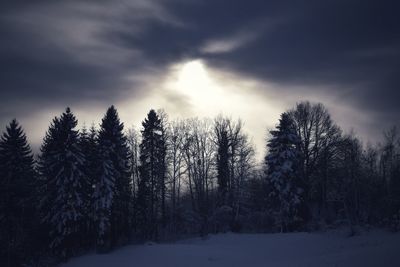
<point>152,171</point>
<point>283,180</point>
<point>103,197</point>
<point>89,147</point>
<point>61,168</point>
<point>17,181</point>
<point>113,193</point>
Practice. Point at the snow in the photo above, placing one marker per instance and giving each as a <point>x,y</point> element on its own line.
<point>236,250</point>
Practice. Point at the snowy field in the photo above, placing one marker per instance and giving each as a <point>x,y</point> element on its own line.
<point>293,249</point>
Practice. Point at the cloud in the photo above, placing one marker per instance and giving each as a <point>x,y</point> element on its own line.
<point>315,49</point>
<point>228,44</point>
<point>90,54</point>
<point>246,34</point>
<point>56,54</point>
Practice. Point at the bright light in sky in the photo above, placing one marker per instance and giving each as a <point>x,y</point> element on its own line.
<point>194,81</point>
<point>193,72</point>
<point>209,92</point>
<point>193,89</point>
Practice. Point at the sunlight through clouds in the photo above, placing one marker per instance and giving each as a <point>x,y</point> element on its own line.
<point>193,89</point>
<point>211,92</point>
<point>193,80</point>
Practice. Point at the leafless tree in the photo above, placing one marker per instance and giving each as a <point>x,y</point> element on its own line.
<point>234,160</point>
<point>346,188</point>
<point>175,170</point>
<point>198,155</point>
<point>319,138</point>
<point>133,140</point>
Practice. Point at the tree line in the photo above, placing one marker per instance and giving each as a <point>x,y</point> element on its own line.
<point>100,188</point>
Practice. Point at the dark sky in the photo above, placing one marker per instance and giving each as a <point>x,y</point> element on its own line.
<point>91,54</point>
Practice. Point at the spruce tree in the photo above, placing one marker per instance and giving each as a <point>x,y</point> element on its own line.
<point>89,147</point>
<point>152,175</point>
<point>221,131</point>
<point>103,198</point>
<point>17,196</point>
<point>113,189</point>
<point>283,179</point>
<point>61,167</point>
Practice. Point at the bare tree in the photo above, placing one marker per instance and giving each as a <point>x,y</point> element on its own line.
<point>198,152</point>
<point>133,140</point>
<point>234,161</point>
<point>390,170</point>
<point>346,188</point>
<point>175,170</point>
<point>245,166</point>
<point>319,136</point>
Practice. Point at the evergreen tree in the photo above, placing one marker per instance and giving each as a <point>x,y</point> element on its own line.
<point>152,172</point>
<point>61,167</point>
<point>113,189</point>
<point>103,198</point>
<point>222,162</point>
<point>283,179</point>
<point>89,147</point>
<point>17,181</point>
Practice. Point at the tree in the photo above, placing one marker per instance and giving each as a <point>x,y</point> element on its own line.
<point>103,198</point>
<point>389,164</point>
<point>61,168</point>
<point>234,160</point>
<point>175,167</point>
<point>152,176</point>
<point>89,147</point>
<point>319,137</point>
<point>222,159</point>
<point>373,185</point>
<point>133,141</point>
<point>113,189</point>
<point>17,196</point>
<point>198,154</point>
<point>163,164</point>
<point>346,189</point>
<point>244,167</point>
<point>282,171</point>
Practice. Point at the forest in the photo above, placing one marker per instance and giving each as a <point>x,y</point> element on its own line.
<point>102,187</point>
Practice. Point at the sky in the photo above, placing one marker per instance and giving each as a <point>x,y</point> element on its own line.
<point>246,59</point>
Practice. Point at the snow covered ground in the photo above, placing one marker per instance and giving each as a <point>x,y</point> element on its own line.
<point>375,248</point>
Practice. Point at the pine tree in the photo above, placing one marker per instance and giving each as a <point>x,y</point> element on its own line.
<point>223,144</point>
<point>283,180</point>
<point>61,167</point>
<point>89,147</point>
<point>113,189</point>
<point>17,181</point>
<point>103,198</point>
<point>152,172</point>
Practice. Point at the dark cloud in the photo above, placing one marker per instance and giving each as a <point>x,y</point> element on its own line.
<point>56,55</point>
<point>53,54</point>
<point>346,44</point>
<point>349,44</point>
